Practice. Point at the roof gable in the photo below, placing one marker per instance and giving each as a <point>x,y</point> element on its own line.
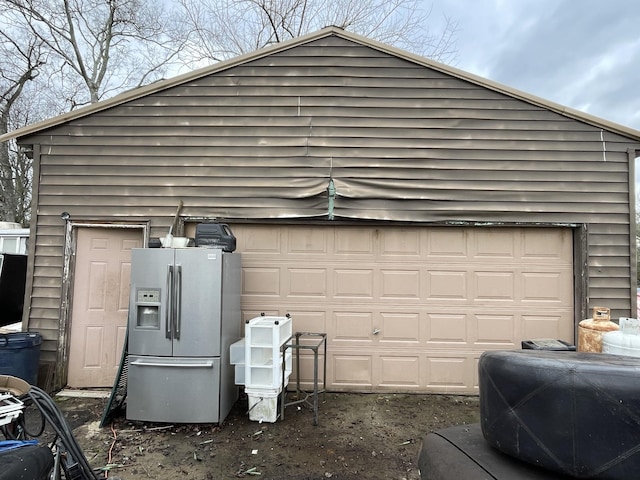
<point>159,86</point>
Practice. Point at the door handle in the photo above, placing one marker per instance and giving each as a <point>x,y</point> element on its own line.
<point>168,308</point>
<point>178,302</point>
<point>147,363</point>
<point>376,331</point>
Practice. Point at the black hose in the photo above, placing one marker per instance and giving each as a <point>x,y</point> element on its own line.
<point>55,418</point>
<point>23,422</point>
<point>8,434</point>
<point>17,430</point>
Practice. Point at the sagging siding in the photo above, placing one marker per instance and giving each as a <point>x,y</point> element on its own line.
<point>400,141</point>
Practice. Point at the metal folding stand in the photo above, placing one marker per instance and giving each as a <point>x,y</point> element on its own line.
<point>313,342</point>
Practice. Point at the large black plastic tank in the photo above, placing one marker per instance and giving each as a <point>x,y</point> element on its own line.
<point>575,413</point>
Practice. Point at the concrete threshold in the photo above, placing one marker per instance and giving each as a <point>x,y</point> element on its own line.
<point>74,393</point>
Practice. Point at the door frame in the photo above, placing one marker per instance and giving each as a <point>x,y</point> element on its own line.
<point>68,278</point>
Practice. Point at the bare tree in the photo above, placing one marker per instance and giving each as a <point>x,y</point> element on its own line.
<point>220,29</point>
<point>21,57</point>
<point>81,51</point>
<point>99,47</point>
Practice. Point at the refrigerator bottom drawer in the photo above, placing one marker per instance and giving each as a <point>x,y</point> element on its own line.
<point>173,390</point>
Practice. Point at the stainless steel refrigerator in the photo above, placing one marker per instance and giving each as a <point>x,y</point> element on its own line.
<point>184,313</point>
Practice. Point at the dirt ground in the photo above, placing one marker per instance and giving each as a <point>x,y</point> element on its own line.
<point>358,436</point>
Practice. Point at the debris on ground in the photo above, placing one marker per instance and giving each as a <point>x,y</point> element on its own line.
<point>358,436</point>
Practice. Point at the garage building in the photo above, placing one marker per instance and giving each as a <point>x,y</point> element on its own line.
<point>417,214</point>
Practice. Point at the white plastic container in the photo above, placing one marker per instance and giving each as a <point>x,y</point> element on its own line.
<point>236,357</point>
<point>630,326</point>
<point>263,404</point>
<point>239,373</point>
<point>236,352</point>
<point>625,341</point>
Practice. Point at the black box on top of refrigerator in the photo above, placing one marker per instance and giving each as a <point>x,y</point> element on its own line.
<point>217,235</point>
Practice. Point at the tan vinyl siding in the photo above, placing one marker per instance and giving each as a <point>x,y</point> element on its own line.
<point>46,291</point>
<point>402,141</point>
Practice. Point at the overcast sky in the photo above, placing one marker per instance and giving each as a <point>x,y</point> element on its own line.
<point>584,54</point>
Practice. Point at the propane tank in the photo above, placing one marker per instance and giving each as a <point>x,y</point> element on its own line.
<point>590,330</point>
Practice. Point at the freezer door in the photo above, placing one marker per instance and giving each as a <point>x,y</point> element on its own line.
<point>151,286</point>
<point>198,302</point>
<point>170,389</point>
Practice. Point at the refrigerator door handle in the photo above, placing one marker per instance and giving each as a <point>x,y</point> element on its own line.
<point>178,302</point>
<point>168,313</point>
<point>153,363</point>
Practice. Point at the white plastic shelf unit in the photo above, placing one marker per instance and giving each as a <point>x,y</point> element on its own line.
<point>264,339</point>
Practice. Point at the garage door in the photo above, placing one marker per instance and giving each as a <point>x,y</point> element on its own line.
<point>410,309</point>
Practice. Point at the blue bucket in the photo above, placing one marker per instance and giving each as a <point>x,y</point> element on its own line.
<point>20,355</point>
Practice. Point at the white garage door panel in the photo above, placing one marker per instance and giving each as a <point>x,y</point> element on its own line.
<point>309,321</point>
<point>352,327</point>
<point>261,282</point>
<point>307,282</point>
<point>449,373</point>
<point>350,371</point>
<point>410,309</point>
<point>440,372</point>
<point>399,372</point>
<point>547,326</point>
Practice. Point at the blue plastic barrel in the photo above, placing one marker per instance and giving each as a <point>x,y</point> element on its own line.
<point>20,355</point>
